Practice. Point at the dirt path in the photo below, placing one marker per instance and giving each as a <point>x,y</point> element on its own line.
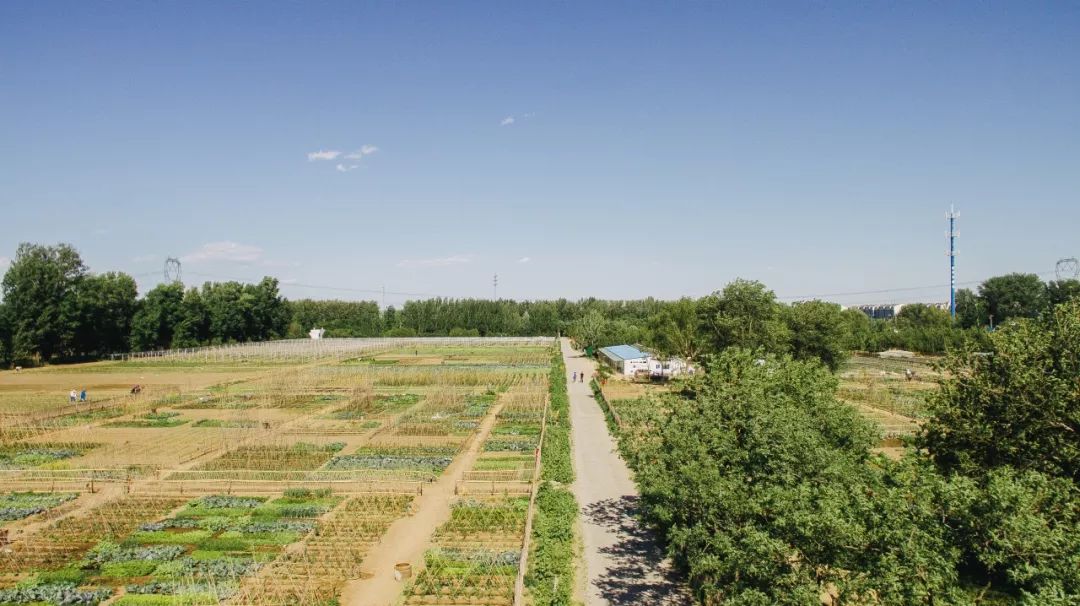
<point>408,538</point>
<point>623,563</point>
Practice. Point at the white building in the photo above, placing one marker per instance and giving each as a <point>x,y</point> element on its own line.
<point>628,361</point>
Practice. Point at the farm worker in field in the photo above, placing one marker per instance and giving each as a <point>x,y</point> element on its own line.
<point>82,396</point>
<point>72,396</point>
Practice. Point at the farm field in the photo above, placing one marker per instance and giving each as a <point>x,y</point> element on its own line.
<point>261,475</point>
<point>881,391</point>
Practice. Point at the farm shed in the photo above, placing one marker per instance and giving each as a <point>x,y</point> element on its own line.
<point>672,367</point>
<point>626,359</point>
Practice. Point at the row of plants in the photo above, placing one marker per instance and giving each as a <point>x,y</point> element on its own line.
<point>19,505</point>
<point>550,578</point>
<point>512,444</point>
<point>364,406</point>
<point>430,459</point>
<point>151,419</point>
<point>447,414</point>
<point>51,557</point>
<point>226,423</point>
<point>476,555</point>
<point>197,556</point>
<point>557,465</point>
<point>471,517</point>
<point>27,456</point>
<point>455,576</point>
<point>314,572</point>
<point>274,457</point>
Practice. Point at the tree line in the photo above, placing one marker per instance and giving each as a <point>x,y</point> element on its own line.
<point>54,308</point>
<point>767,489</point>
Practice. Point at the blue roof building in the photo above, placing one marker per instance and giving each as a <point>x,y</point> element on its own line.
<point>618,353</point>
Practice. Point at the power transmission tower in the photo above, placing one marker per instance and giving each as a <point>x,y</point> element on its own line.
<point>495,287</point>
<point>952,216</point>
<point>172,270</point>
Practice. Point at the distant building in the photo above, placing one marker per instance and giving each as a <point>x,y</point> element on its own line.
<point>888,311</point>
<point>629,361</point>
<point>317,333</point>
<point>880,312</point>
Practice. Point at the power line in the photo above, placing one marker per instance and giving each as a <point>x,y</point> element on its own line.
<point>383,291</point>
<point>891,290</point>
<point>379,291</point>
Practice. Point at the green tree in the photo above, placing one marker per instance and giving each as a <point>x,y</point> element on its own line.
<point>1013,296</point>
<point>858,331</point>
<point>919,316</point>
<point>676,330</point>
<point>5,337</point>
<point>763,484</point>
<point>970,309</point>
<point>107,304</point>
<point>542,318</point>
<point>156,319</point>
<point>192,327</point>
<point>590,330</point>
<point>1019,405</point>
<point>1062,291</point>
<point>817,332</point>
<point>1020,532</point>
<point>745,314</point>
<point>390,318</point>
<point>39,290</point>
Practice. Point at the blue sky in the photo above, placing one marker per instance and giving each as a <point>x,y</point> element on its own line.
<point>617,149</point>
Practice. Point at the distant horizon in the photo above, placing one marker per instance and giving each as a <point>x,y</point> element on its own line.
<point>292,291</point>
<point>615,151</point>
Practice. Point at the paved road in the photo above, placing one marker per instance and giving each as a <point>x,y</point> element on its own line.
<point>623,564</point>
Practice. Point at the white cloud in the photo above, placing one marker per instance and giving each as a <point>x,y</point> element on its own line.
<point>4,262</point>
<point>344,168</point>
<point>365,150</point>
<point>524,259</point>
<point>323,155</point>
<point>224,251</point>
<point>436,262</point>
<point>507,121</point>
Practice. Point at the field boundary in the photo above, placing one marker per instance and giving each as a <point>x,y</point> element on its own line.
<point>523,561</point>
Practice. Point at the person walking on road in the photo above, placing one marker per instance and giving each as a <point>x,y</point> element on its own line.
<point>573,378</point>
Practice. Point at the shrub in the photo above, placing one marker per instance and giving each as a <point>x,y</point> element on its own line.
<point>551,565</point>
<point>557,465</point>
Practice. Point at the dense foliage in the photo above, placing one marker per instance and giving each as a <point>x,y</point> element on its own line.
<point>550,577</point>
<point>766,490</point>
<point>557,465</point>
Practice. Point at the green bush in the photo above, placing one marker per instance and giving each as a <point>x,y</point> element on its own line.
<point>129,569</point>
<point>557,465</point>
<point>550,577</point>
<point>73,576</point>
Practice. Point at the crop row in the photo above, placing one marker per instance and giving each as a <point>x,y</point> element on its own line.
<point>315,572</point>
<point>476,555</point>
